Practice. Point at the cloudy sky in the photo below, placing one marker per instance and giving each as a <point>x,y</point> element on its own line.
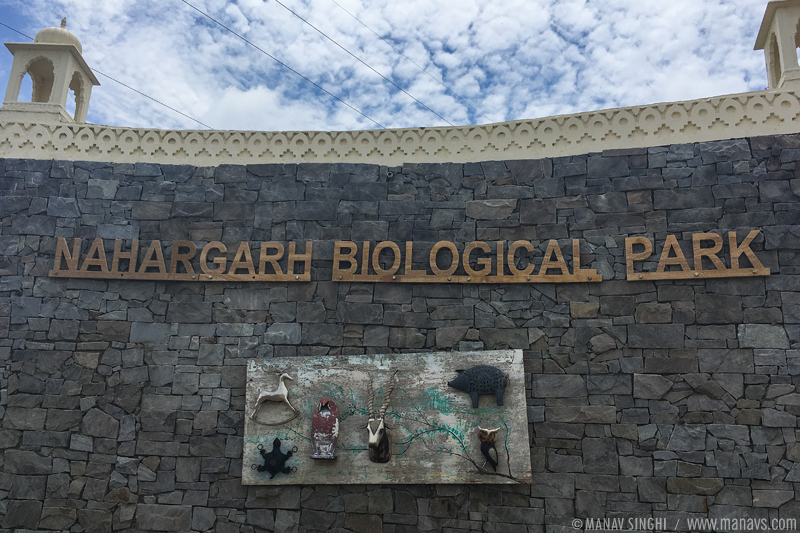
<point>484,61</point>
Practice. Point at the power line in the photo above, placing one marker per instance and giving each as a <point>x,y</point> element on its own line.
<point>451,91</point>
<point>123,84</point>
<point>12,29</point>
<point>153,99</point>
<point>362,62</point>
<point>283,64</point>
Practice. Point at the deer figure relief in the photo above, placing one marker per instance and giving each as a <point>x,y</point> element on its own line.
<point>280,395</point>
<point>380,445</point>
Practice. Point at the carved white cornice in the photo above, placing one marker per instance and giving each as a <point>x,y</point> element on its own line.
<point>708,119</point>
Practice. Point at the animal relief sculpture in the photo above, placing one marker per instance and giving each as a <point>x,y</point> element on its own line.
<point>488,437</point>
<point>281,395</point>
<point>481,379</point>
<point>380,445</point>
<point>324,430</point>
<point>275,461</point>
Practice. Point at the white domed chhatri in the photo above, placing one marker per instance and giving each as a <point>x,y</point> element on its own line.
<point>56,66</point>
<point>59,35</point>
<point>779,38</point>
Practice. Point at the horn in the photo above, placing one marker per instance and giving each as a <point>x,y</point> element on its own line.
<point>387,398</point>
<point>371,398</point>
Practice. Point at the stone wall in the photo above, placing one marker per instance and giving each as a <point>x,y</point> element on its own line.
<point>122,401</point>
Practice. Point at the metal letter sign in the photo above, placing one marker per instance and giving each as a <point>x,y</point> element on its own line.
<point>387,262</point>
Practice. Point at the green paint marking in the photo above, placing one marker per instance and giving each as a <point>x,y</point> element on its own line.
<point>433,398</point>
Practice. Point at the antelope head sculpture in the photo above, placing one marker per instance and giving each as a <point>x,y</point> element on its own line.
<point>380,445</point>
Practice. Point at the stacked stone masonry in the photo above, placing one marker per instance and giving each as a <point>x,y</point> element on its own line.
<point>123,401</point>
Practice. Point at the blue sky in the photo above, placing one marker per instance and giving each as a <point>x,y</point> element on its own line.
<point>508,60</point>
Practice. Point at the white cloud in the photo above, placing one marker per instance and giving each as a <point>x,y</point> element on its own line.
<point>510,60</point>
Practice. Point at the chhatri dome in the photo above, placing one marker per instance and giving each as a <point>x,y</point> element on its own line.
<point>57,72</point>
<point>60,35</point>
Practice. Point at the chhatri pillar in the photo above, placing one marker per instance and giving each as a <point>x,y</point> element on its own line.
<point>779,37</point>
<point>56,66</point>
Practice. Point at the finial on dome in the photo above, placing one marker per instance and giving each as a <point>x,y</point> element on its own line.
<point>55,65</point>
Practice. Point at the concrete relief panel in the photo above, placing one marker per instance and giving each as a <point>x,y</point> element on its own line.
<point>423,427</point>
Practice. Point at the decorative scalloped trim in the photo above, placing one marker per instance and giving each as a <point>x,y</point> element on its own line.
<point>708,119</point>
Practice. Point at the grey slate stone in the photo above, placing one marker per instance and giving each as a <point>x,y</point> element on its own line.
<point>557,386</point>
<point>687,438</point>
<point>102,188</point>
<point>20,513</point>
<point>63,330</point>
<point>718,309</point>
<point>324,334</point>
<point>600,456</point>
<point>33,225</point>
<point>28,488</point>
<point>771,498</point>
<point>233,211</point>
<point>151,210</point>
<point>537,211</point>
<point>81,443</point>
<point>762,336</point>
<point>99,424</point>
<point>316,210</point>
<point>406,338</point>
<point>703,486</point>
<point>283,333</point>
<point>446,337</point>
<point>490,209</point>
<point>230,174</point>
<point>189,312</point>
<point>609,384</point>
<point>164,517</point>
<point>777,419</point>
<point>652,489</point>
<point>203,519</point>
<point>500,338</point>
<point>728,150</point>
<point>585,414</point>
<point>117,231</point>
<point>736,360</point>
<point>656,336</point>
<point>192,209</point>
<point>683,198</point>
<point>636,466</point>
<point>247,299</point>
<point>376,336</point>
<point>153,333</point>
<point>27,463</point>
<point>739,434</point>
<point>653,313</point>
<point>60,518</point>
<point>559,430</point>
<point>63,207</point>
<point>359,313</point>
<point>650,386</point>
<point>607,167</point>
<point>211,354</point>
<point>364,192</point>
<point>281,191</point>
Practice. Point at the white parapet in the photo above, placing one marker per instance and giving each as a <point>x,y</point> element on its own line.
<point>750,114</point>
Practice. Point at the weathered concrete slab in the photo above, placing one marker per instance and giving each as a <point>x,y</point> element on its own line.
<point>434,428</point>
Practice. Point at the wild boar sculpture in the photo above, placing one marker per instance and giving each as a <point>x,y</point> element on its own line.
<point>481,379</point>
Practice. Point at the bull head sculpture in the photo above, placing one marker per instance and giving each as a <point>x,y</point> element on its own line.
<point>380,445</point>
